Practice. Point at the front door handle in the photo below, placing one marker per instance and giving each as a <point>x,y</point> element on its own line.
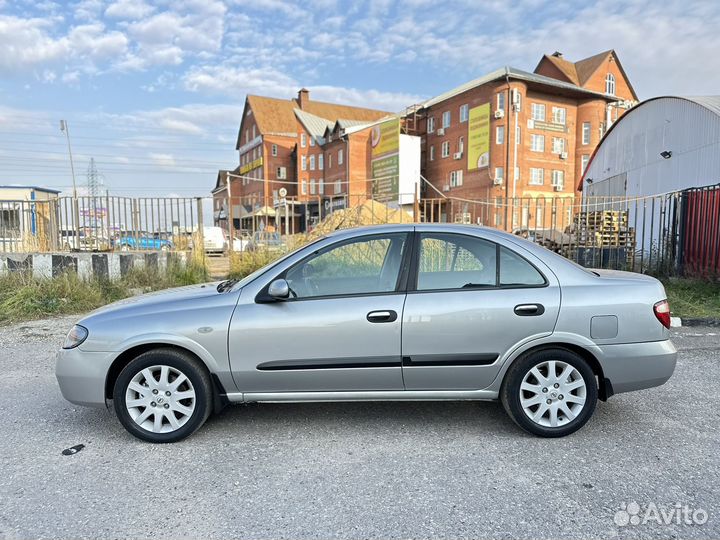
<point>385,315</point>
<point>529,310</point>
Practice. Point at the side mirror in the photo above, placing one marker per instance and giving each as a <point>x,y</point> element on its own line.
<point>279,290</point>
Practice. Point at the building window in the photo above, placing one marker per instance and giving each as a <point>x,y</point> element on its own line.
<point>247,135</point>
<point>431,124</point>
<point>537,176</point>
<point>254,131</point>
<point>537,111</point>
<point>303,163</point>
<point>558,179</point>
<point>500,135</point>
<point>456,178</point>
<point>312,141</point>
<point>446,119</point>
<point>338,187</point>
<point>340,157</point>
<point>432,153</point>
<point>584,163</point>
<point>273,150</point>
<point>312,186</point>
<point>281,173</point>
<point>329,160</point>
<point>499,175</point>
<point>610,84</point>
<point>321,162</point>
<point>445,149</point>
<point>558,115</point>
<point>461,144</point>
<point>558,145</point>
<point>586,133</point>
<point>312,163</point>
<point>303,140</point>
<point>463,113</point>
<point>501,101</point>
<point>321,186</point>
<point>303,187</point>
<point>537,143</point>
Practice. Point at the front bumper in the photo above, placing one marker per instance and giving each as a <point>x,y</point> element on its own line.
<point>81,376</point>
<point>635,366</point>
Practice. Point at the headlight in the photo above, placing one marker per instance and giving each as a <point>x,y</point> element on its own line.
<point>75,337</point>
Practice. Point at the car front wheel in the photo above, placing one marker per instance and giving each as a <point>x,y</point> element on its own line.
<point>550,393</point>
<point>163,396</point>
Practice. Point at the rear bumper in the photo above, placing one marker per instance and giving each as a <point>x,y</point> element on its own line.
<point>81,376</point>
<point>635,366</point>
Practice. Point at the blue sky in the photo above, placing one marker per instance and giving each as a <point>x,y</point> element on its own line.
<point>154,90</point>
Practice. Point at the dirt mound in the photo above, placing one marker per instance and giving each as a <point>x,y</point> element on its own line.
<point>368,213</point>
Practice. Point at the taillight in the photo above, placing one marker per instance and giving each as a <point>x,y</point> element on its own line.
<point>662,312</point>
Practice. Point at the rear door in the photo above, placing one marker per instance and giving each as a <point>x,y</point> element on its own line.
<point>472,301</point>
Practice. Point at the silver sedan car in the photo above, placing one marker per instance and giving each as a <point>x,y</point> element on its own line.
<point>397,312</point>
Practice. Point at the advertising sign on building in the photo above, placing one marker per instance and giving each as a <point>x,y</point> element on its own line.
<point>385,163</point>
<point>479,137</point>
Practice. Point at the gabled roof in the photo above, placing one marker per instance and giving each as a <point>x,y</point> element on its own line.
<point>579,72</point>
<point>275,116</point>
<point>315,125</point>
<point>566,67</point>
<point>517,74</point>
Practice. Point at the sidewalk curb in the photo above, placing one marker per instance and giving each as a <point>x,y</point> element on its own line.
<point>677,322</point>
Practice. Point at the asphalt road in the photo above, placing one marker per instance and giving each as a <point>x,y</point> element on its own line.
<point>378,470</point>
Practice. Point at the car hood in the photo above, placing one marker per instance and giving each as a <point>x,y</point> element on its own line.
<point>159,299</point>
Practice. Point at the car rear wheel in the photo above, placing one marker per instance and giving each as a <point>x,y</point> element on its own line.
<point>163,396</point>
<point>550,393</point>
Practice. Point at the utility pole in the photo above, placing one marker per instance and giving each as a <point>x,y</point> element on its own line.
<point>76,208</point>
<point>230,213</point>
<point>66,130</point>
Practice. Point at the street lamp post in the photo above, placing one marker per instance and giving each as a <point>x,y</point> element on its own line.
<point>76,210</point>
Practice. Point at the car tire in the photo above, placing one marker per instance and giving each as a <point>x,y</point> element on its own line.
<point>550,404</point>
<point>181,404</point>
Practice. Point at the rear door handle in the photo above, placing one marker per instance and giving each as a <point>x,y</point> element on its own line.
<point>529,310</point>
<point>386,315</point>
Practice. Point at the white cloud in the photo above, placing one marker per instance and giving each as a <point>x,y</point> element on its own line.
<point>237,82</point>
<point>164,160</point>
<point>129,9</point>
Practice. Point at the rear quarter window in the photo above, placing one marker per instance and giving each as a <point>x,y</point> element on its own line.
<point>515,270</point>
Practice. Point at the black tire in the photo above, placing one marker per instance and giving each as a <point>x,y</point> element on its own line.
<point>186,364</point>
<point>510,394</point>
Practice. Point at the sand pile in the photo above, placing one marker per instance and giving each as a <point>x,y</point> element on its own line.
<point>368,213</point>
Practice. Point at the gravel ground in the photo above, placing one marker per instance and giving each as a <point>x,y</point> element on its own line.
<point>377,470</point>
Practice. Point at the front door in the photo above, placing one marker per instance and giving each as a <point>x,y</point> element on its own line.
<point>473,301</point>
<point>339,331</point>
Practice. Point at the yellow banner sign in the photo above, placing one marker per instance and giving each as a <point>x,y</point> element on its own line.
<point>479,137</point>
<point>385,138</point>
<point>252,165</point>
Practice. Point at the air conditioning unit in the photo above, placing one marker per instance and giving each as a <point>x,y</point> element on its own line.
<point>497,181</point>
<point>457,155</point>
<point>515,99</point>
<point>563,155</point>
<point>446,187</point>
<point>558,187</point>
<point>531,124</point>
<point>441,132</point>
<point>499,113</point>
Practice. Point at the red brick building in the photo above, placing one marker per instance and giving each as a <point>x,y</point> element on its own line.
<point>509,134</point>
<point>281,145</point>
<point>542,128</point>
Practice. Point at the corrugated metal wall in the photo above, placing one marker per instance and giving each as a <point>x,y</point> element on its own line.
<point>690,131</point>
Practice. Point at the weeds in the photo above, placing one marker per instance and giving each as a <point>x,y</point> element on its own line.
<point>23,297</point>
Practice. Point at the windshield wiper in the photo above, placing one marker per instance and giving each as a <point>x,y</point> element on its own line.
<point>226,285</point>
